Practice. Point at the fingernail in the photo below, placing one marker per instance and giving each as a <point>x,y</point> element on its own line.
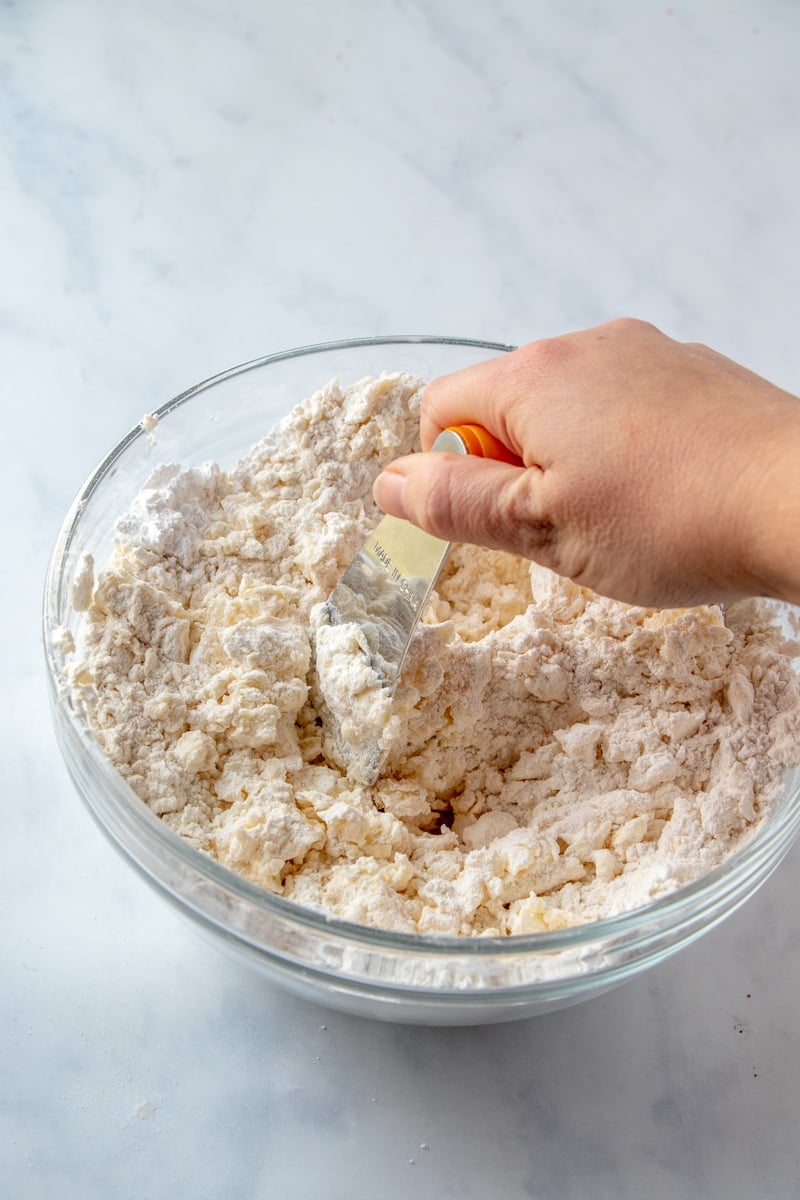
<point>389,492</point>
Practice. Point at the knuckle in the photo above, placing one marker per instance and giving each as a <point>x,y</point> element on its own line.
<point>438,500</point>
<point>516,521</point>
<point>538,357</point>
<point>701,348</point>
<point>430,400</point>
<point>630,325</point>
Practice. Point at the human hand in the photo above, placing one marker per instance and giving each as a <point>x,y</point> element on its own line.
<point>653,471</point>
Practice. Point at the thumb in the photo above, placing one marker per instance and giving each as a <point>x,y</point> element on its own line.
<point>468,499</point>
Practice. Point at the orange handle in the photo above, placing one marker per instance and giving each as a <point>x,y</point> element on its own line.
<point>480,442</point>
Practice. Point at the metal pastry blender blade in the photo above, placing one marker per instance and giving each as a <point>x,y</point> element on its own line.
<point>387,585</point>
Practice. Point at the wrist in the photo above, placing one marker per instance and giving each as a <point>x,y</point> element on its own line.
<point>772,521</point>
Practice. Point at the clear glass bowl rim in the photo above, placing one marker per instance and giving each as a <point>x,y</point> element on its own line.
<point>773,835</point>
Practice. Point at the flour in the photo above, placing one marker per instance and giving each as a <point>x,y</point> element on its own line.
<point>552,757</point>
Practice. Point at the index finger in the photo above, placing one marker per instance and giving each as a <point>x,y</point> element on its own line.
<point>473,395</point>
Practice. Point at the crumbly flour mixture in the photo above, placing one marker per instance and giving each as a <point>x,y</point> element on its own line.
<point>553,757</point>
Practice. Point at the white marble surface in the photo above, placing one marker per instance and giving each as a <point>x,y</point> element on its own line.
<point>187,185</point>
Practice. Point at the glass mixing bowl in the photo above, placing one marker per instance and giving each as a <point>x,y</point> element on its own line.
<point>395,977</point>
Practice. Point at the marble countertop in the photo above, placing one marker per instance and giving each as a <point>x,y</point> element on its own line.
<point>187,186</point>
